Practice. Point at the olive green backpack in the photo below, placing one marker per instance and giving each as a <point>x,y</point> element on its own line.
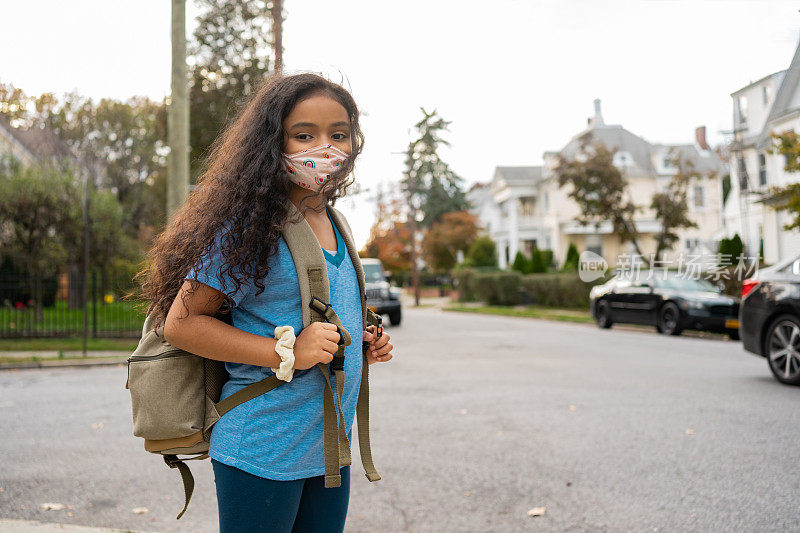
<point>175,395</point>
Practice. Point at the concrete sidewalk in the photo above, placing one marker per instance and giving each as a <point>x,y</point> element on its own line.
<point>66,354</point>
<point>25,526</point>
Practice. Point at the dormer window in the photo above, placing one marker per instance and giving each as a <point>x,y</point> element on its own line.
<point>741,109</point>
<point>766,94</point>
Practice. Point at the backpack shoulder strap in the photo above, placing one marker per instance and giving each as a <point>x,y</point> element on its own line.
<point>312,275</point>
<point>362,407</point>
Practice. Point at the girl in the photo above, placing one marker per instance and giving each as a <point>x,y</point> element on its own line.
<point>223,252</point>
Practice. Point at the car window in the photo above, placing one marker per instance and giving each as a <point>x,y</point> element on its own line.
<point>373,272</point>
<point>688,284</point>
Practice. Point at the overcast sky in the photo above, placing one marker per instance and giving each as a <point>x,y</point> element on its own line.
<point>516,78</point>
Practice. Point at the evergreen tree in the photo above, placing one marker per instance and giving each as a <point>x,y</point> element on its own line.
<point>572,259</point>
<point>737,247</point>
<point>537,261</point>
<point>432,187</point>
<point>521,264</point>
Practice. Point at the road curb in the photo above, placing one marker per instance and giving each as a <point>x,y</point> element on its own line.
<point>20,526</point>
<point>64,363</point>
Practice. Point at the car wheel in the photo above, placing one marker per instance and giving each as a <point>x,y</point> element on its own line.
<point>603,315</point>
<point>783,349</point>
<point>669,319</point>
<point>395,317</point>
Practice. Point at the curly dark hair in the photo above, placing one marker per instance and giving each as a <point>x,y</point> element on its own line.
<point>243,187</point>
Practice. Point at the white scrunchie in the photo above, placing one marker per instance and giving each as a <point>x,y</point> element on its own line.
<point>285,349</point>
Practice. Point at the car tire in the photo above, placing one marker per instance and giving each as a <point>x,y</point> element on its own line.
<point>603,315</point>
<point>669,317</point>
<point>784,334</point>
<point>395,317</point>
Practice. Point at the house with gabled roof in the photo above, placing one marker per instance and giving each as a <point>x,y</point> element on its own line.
<point>33,145</point>
<point>531,209</point>
<point>768,105</point>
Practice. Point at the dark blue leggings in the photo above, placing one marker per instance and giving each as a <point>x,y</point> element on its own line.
<point>249,503</point>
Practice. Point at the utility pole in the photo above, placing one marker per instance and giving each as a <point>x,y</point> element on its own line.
<point>277,34</point>
<point>178,115</point>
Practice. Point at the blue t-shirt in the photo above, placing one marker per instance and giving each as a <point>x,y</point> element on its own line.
<point>279,435</point>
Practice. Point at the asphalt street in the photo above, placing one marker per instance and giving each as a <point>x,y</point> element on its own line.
<point>476,420</point>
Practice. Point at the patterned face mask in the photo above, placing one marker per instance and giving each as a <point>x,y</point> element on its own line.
<point>311,168</point>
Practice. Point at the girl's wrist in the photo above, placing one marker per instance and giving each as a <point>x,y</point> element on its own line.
<point>272,358</point>
<point>284,347</point>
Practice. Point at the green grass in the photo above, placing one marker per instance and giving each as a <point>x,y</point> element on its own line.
<point>34,359</point>
<point>116,316</point>
<point>67,343</point>
<point>530,311</point>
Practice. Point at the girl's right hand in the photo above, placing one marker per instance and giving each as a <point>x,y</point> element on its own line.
<point>316,343</point>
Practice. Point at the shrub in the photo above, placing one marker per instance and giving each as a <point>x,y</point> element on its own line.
<point>498,288</point>
<point>562,290</point>
<point>482,253</point>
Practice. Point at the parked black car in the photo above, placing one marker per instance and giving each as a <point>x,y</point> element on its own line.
<point>668,301</point>
<point>770,318</point>
<point>382,298</point>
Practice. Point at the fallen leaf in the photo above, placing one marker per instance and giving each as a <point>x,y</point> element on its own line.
<point>469,493</point>
<point>569,483</point>
<point>140,510</point>
<point>572,407</point>
<point>462,412</point>
<point>97,425</point>
<point>689,432</point>
<point>52,506</point>
<point>499,433</point>
<point>536,511</point>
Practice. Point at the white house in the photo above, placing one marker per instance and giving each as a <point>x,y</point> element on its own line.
<point>524,206</point>
<point>768,105</point>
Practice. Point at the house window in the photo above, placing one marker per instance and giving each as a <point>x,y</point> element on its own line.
<point>699,199</point>
<point>668,162</point>
<point>741,105</point>
<point>762,169</point>
<point>742,174</point>
<point>766,93</point>
<point>527,205</point>
<point>594,243</point>
<point>692,243</point>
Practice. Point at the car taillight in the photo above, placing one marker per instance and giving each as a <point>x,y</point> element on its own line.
<point>748,285</point>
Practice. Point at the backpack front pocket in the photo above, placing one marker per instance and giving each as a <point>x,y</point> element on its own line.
<point>168,399</point>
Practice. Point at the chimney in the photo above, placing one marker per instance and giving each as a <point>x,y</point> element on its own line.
<point>597,119</point>
<point>700,137</point>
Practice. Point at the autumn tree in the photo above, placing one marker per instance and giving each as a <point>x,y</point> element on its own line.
<point>670,206</point>
<point>390,237</point>
<point>787,197</point>
<point>600,189</point>
<point>442,241</point>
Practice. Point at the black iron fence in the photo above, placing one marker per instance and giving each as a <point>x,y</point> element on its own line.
<point>56,307</point>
